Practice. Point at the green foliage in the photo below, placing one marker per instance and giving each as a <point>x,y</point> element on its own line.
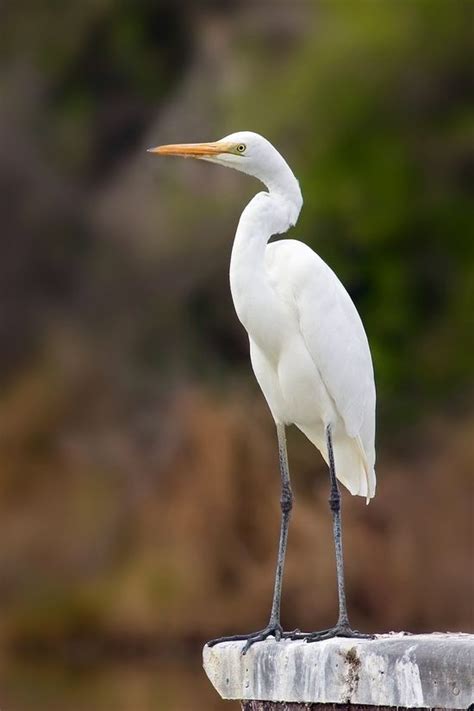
<point>136,503</point>
<point>379,101</point>
<point>371,106</point>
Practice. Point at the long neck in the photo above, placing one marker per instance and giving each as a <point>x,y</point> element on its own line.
<point>268,213</point>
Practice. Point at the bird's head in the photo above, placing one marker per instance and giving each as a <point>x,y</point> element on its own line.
<point>245,151</point>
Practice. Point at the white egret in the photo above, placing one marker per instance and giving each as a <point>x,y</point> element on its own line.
<point>308,347</point>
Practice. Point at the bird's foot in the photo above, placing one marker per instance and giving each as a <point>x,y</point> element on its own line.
<point>273,629</point>
<point>342,629</point>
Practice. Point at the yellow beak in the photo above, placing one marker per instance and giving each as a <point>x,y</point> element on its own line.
<point>191,150</point>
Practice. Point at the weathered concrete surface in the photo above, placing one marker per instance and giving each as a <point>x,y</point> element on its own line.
<point>413,671</point>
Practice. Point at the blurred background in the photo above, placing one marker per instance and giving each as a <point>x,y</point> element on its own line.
<point>139,486</point>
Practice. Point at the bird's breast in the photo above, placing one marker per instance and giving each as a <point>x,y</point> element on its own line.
<point>306,398</point>
<point>260,311</point>
<point>292,385</point>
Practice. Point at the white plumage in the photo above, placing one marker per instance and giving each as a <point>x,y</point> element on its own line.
<point>308,347</point>
<point>332,333</point>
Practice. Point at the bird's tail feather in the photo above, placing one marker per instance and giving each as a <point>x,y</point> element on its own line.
<point>352,468</point>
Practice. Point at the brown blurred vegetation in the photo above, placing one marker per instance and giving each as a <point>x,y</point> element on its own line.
<point>138,469</point>
<point>179,543</point>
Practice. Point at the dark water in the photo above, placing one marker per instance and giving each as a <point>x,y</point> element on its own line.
<point>135,686</point>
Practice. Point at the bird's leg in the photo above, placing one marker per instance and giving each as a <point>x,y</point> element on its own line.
<point>342,627</point>
<point>274,627</point>
<point>335,506</point>
<point>286,504</point>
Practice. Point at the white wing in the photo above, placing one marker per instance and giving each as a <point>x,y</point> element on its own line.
<point>333,333</point>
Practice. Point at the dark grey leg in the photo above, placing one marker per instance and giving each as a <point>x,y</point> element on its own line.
<point>342,628</point>
<point>286,502</point>
<point>335,506</point>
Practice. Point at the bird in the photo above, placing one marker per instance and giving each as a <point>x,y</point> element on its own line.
<point>308,350</point>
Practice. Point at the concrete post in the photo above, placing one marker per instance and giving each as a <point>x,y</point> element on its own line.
<point>391,671</point>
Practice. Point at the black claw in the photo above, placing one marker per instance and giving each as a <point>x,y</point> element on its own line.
<point>298,635</point>
<point>272,630</point>
<point>292,634</point>
<point>275,630</point>
<point>338,631</point>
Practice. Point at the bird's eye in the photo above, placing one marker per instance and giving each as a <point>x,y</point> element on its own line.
<point>241,148</point>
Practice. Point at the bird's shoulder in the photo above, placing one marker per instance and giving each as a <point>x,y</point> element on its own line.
<point>291,253</point>
<point>292,264</point>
